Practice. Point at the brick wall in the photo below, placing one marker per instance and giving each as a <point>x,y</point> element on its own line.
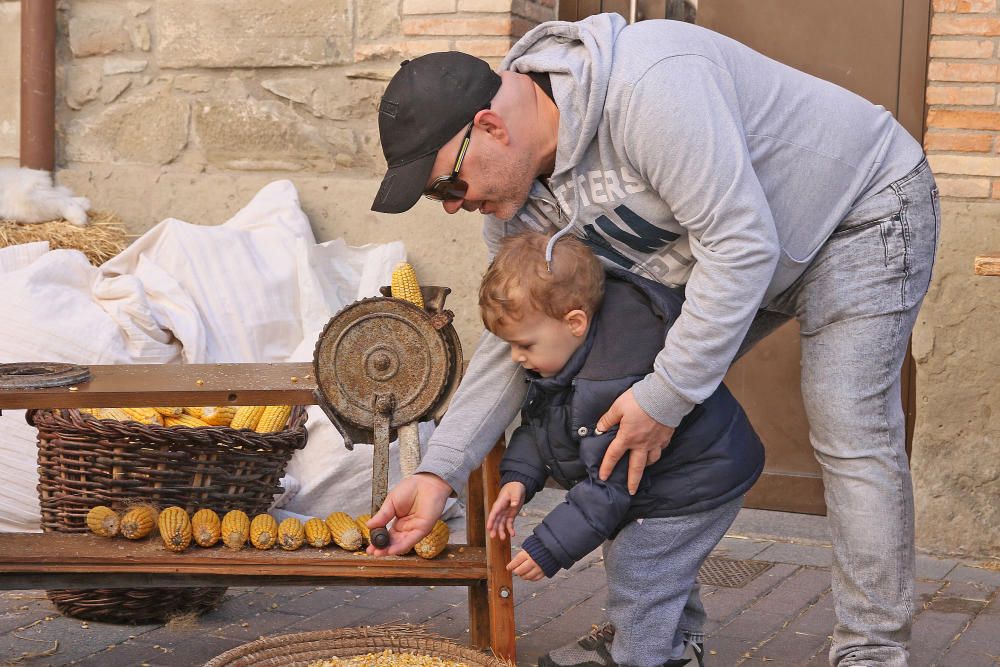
<point>963,117</point>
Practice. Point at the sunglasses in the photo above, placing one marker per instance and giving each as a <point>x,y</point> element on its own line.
<point>451,187</point>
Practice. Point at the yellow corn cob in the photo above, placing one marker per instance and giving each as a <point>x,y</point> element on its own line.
<point>404,284</point>
<point>103,521</point>
<point>169,412</point>
<point>218,416</point>
<point>317,533</point>
<point>344,530</point>
<point>235,529</point>
<point>93,412</point>
<point>206,528</point>
<point>362,524</point>
<point>263,531</point>
<point>113,413</point>
<point>247,416</point>
<point>138,522</point>
<point>434,542</point>
<point>184,420</point>
<point>291,534</point>
<point>175,528</point>
<point>144,415</point>
<point>274,418</point>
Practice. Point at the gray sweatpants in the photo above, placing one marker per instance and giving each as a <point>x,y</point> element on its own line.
<point>653,598</point>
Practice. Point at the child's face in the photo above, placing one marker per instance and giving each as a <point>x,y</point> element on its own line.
<point>544,344</point>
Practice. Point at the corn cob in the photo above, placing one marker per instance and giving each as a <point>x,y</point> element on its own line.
<point>206,527</point>
<point>317,533</point>
<point>273,418</point>
<point>213,416</point>
<point>247,416</point>
<point>184,420</point>
<point>169,412</point>
<point>263,531</point>
<point>138,522</point>
<point>434,542</point>
<point>113,413</point>
<point>235,529</point>
<point>404,284</point>
<point>362,524</point>
<point>291,534</point>
<point>175,528</point>
<point>103,521</point>
<point>144,415</point>
<point>344,530</point>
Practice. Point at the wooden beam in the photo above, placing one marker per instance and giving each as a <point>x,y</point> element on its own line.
<point>140,385</point>
<point>65,560</point>
<point>988,265</point>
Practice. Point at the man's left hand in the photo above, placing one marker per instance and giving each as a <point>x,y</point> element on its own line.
<point>640,435</point>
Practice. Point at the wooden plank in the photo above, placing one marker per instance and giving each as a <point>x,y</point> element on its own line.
<point>48,556</point>
<point>499,581</point>
<point>142,385</point>
<point>988,265</point>
<point>475,533</point>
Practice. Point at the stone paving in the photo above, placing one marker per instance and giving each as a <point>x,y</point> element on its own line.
<point>781,618</point>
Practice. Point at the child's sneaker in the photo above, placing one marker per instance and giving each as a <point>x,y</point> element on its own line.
<point>591,650</point>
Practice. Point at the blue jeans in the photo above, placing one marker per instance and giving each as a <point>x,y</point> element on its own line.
<point>856,305</point>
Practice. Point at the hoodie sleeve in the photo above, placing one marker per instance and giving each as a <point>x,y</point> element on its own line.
<point>522,462</point>
<point>591,513</point>
<point>487,400</point>
<point>684,135</point>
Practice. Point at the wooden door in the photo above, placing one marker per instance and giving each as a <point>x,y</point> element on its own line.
<point>875,49</point>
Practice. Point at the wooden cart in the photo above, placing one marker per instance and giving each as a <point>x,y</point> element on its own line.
<point>55,560</point>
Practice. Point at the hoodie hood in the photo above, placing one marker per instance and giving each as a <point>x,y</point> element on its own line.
<point>578,58</point>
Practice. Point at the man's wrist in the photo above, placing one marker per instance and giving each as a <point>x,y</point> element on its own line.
<point>438,482</point>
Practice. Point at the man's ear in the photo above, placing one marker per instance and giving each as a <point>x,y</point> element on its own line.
<point>577,322</point>
<point>490,122</point>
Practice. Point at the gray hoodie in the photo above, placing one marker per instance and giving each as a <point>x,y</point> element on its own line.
<point>688,158</point>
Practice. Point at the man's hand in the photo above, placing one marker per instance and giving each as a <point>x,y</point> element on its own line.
<point>525,567</point>
<point>505,509</point>
<point>416,503</point>
<point>638,433</point>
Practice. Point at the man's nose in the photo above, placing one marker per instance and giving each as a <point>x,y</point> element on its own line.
<point>452,206</point>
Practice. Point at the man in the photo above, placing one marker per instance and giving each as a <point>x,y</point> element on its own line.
<point>685,157</point>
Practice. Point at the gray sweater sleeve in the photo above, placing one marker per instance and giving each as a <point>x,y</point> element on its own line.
<point>487,400</point>
<point>683,133</point>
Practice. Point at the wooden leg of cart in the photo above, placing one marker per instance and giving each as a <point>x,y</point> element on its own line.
<point>491,602</point>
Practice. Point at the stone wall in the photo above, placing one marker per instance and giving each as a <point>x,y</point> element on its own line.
<point>956,448</point>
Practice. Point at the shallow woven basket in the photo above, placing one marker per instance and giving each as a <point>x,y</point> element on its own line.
<point>84,462</point>
<point>301,649</point>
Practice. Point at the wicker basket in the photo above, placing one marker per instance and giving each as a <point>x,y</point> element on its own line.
<point>84,462</point>
<point>299,650</point>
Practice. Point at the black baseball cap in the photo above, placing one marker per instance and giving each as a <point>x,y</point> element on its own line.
<point>428,101</point>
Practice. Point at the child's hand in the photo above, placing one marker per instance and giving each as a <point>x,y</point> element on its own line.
<point>525,567</point>
<point>506,507</point>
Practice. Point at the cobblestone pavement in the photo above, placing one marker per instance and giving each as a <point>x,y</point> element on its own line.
<point>780,618</point>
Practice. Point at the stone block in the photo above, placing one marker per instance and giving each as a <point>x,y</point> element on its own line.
<point>296,89</point>
<point>253,33</point>
<point>428,6</point>
<point>149,130</point>
<point>377,19</point>
<point>97,29</point>
<point>964,95</point>
<point>484,5</point>
<point>81,83</point>
<point>965,165</point>
<point>344,99</point>
<point>258,135</point>
<point>398,50</point>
